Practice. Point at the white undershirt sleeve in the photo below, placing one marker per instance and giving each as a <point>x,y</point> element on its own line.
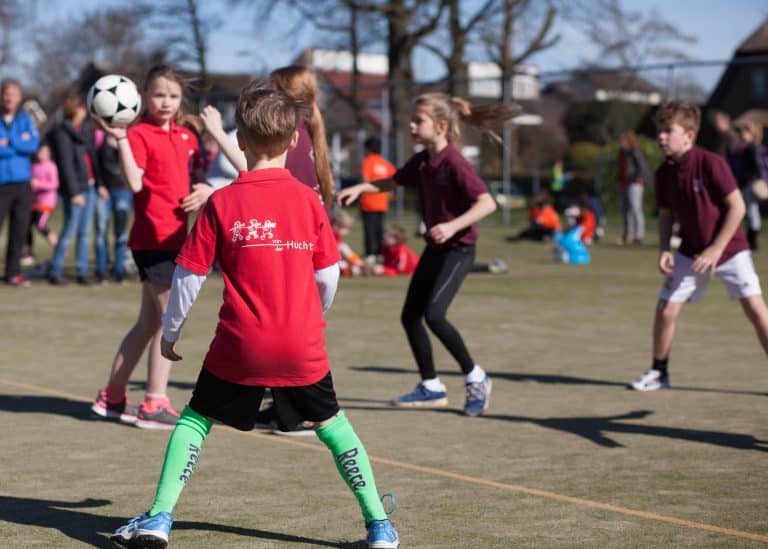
<point>184,289</point>
<point>327,281</point>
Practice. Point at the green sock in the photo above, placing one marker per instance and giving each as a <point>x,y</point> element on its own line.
<point>181,458</point>
<point>353,465</point>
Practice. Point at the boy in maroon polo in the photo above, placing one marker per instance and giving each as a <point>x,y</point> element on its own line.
<point>272,240</point>
<point>698,188</point>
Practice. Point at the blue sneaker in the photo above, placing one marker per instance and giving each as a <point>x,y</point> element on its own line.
<point>422,397</point>
<point>478,397</point>
<point>144,532</point>
<point>382,535</point>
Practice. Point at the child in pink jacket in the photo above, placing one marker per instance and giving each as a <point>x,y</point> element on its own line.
<point>45,184</point>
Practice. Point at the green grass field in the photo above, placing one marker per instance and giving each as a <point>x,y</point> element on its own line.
<point>565,457</point>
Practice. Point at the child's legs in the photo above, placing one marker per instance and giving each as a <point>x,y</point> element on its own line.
<point>453,272</point>
<point>158,367</point>
<point>416,302</point>
<point>137,338</point>
<point>757,313</point>
<point>122,202</point>
<point>753,209</point>
<point>103,213</point>
<point>664,328</point>
<point>72,214</point>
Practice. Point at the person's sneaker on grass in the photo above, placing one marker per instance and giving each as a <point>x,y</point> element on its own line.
<point>124,411</point>
<point>382,535</point>
<point>20,281</point>
<point>303,429</point>
<point>651,380</point>
<point>422,397</point>
<point>145,531</point>
<point>478,397</point>
<point>157,415</point>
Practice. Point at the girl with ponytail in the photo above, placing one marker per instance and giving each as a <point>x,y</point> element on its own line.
<point>453,199</point>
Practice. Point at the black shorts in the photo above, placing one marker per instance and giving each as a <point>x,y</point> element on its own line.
<point>155,266</point>
<point>238,405</point>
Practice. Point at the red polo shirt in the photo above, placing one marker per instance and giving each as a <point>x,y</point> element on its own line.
<point>694,188</point>
<point>166,156</point>
<point>447,186</point>
<point>269,234</point>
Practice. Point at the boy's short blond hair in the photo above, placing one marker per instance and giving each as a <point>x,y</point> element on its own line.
<point>340,218</point>
<point>266,118</point>
<point>753,126</point>
<point>687,115</point>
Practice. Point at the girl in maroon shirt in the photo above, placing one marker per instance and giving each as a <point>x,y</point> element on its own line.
<point>453,199</point>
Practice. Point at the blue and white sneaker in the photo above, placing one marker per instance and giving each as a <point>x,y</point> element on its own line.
<point>422,397</point>
<point>382,535</point>
<point>144,532</point>
<point>478,397</point>
<point>651,380</point>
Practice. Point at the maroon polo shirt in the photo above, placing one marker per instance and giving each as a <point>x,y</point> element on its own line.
<point>694,188</point>
<point>300,161</point>
<point>447,186</point>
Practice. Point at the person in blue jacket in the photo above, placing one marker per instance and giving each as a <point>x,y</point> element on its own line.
<point>19,140</point>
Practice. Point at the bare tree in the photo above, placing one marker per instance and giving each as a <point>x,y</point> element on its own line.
<point>459,30</point>
<point>11,15</point>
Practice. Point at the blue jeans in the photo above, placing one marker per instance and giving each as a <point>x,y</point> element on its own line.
<point>118,205</point>
<point>77,221</point>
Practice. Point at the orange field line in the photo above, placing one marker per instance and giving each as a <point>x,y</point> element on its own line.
<point>465,478</point>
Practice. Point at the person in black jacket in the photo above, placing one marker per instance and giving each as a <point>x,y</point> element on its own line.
<point>115,201</point>
<point>71,143</point>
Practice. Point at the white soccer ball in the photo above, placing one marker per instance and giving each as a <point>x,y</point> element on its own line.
<point>115,99</point>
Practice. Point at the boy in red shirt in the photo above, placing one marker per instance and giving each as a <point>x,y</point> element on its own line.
<point>698,188</point>
<point>374,206</point>
<point>398,258</point>
<point>272,239</point>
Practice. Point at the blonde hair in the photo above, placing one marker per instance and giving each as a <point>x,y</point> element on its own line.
<point>300,83</point>
<point>687,115</point>
<point>753,127</point>
<point>340,218</point>
<point>169,73</point>
<point>444,108</point>
<point>266,118</point>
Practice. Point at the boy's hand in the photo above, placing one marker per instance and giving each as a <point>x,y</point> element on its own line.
<point>211,118</point>
<point>167,350</point>
<point>666,262</point>
<point>707,260</point>
<point>199,196</point>
<point>441,233</point>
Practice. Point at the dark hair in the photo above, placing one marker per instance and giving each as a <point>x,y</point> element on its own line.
<point>7,82</point>
<point>71,105</point>
<point>372,145</point>
<point>400,234</point>
<point>687,115</point>
<point>266,118</point>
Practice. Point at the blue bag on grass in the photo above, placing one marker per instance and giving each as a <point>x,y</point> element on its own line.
<point>569,248</point>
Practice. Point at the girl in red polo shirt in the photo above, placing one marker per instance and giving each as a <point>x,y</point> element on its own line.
<point>156,156</point>
<point>453,199</point>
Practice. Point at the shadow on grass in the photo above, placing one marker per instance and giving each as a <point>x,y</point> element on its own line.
<point>552,379</point>
<point>181,385</point>
<point>67,518</point>
<point>595,428</point>
<point>26,404</point>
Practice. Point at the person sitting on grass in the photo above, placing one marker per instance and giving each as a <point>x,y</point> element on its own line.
<point>397,257</point>
<point>543,220</point>
<point>272,240</point>
<point>351,264</point>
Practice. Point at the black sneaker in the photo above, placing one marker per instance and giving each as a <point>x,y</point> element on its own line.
<point>83,281</point>
<point>57,280</point>
<point>303,429</point>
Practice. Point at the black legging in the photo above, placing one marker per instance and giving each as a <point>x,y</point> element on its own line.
<point>435,283</point>
<point>16,200</point>
<point>373,232</point>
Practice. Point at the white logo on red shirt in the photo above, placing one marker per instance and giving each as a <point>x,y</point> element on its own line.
<point>263,231</point>
<point>696,185</point>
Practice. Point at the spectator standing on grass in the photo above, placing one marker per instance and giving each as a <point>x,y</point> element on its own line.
<point>632,176</point>
<point>452,200</point>
<point>116,205</point>
<point>698,188</point>
<point>751,168</point>
<point>374,206</point>
<point>157,157</point>
<point>72,145</point>
<point>45,184</point>
<point>19,140</point>
<point>270,332</point>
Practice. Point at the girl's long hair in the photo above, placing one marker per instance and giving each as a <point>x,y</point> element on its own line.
<point>169,73</point>
<point>444,108</point>
<point>300,83</point>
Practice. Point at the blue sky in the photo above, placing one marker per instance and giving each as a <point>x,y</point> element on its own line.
<point>243,45</point>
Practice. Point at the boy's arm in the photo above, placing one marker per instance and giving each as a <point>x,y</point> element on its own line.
<point>666,259</point>
<point>482,207</point>
<point>184,290</point>
<point>734,213</point>
<point>211,118</point>
<point>327,281</point>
